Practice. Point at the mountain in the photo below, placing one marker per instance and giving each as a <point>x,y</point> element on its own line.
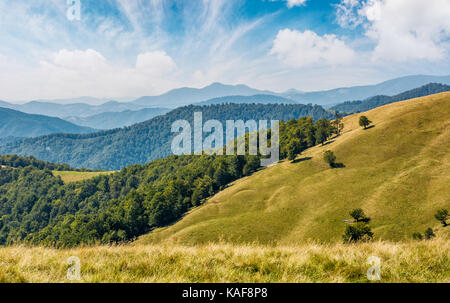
<point>373,102</point>
<point>73,109</point>
<point>396,171</point>
<point>110,120</point>
<point>84,99</point>
<point>257,99</point>
<point>389,88</point>
<point>17,124</point>
<point>187,95</point>
<point>148,140</point>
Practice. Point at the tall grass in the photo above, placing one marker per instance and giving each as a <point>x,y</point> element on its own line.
<point>425,261</point>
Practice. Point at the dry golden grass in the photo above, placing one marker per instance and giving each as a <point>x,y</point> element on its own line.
<point>75,176</point>
<point>425,261</point>
<point>398,171</point>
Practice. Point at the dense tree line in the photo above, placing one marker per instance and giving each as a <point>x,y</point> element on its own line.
<point>376,101</point>
<point>37,207</point>
<point>16,161</point>
<point>148,140</point>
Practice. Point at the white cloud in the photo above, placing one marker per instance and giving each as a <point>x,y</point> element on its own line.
<point>69,73</point>
<point>403,30</point>
<point>292,3</point>
<point>347,13</point>
<point>157,62</point>
<point>300,49</point>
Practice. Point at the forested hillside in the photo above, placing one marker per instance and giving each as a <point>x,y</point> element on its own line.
<point>111,120</point>
<point>17,124</point>
<point>148,140</point>
<point>261,99</point>
<point>373,102</point>
<point>36,206</point>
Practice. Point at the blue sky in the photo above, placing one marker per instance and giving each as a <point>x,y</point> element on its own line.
<point>130,48</point>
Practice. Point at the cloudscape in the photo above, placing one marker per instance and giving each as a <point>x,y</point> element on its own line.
<point>123,49</point>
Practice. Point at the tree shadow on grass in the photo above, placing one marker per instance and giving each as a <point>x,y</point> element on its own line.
<point>301,159</point>
<point>369,127</point>
<point>338,165</point>
<point>329,142</point>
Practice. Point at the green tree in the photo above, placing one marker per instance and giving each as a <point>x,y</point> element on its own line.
<point>442,216</point>
<point>429,234</point>
<point>293,149</point>
<point>417,236</point>
<point>359,232</point>
<point>359,215</point>
<point>338,125</point>
<point>364,121</point>
<point>330,158</point>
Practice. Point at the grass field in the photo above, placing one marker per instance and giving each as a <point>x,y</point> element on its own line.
<point>398,171</point>
<point>426,261</point>
<point>74,176</point>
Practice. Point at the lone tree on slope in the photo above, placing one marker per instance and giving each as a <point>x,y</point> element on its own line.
<point>442,216</point>
<point>364,121</point>
<point>337,123</point>
<point>359,230</point>
<point>330,158</point>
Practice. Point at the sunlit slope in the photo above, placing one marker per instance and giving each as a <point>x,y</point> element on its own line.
<point>397,171</point>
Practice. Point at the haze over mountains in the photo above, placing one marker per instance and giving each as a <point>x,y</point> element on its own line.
<point>114,114</point>
<point>389,88</point>
<point>380,100</point>
<point>149,140</point>
<point>110,120</point>
<point>17,124</point>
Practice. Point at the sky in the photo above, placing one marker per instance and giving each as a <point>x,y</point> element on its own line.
<point>116,49</point>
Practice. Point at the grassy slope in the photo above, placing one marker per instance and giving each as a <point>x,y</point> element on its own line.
<point>74,176</point>
<point>397,171</point>
<point>406,262</point>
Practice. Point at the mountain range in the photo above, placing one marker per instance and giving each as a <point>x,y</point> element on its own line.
<point>376,101</point>
<point>111,120</point>
<point>87,106</point>
<point>389,88</point>
<point>17,124</point>
<point>146,141</point>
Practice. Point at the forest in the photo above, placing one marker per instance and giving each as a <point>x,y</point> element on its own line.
<point>37,207</point>
<point>146,141</point>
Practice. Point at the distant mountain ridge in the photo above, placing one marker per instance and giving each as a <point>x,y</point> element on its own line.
<point>187,95</point>
<point>111,120</point>
<point>257,99</point>
<point>376,101</point>
<point>389,88</point>
<point>148,140</point>
<point>17,124</point>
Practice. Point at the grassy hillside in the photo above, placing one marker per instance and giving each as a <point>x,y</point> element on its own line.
<point>75,176</point>
<point>398,171</point>
<point>406,262</point>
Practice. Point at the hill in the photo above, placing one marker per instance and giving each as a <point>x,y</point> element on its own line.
<point>388,88</point>
<point>17,124</point>
<point>373,102</point>
<point>257,99</point>
<point>146,141</point>
<point>72,109</point>
<point>186,95</point>
<point>397,171</point>
<point>111,120</point>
